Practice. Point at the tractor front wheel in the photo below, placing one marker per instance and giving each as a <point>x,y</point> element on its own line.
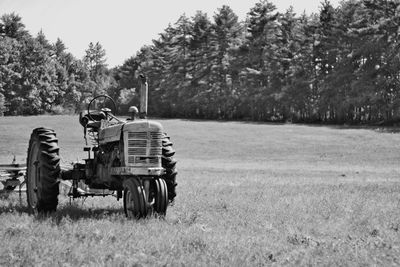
<point>135,204</point>
<point>42,171</point>
<point>160,197</point>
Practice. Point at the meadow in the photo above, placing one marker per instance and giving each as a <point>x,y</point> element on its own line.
<point>248,195</point>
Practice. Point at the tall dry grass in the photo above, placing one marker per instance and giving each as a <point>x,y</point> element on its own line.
<point>249,195</point>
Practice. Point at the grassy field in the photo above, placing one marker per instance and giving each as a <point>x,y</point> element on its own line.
<point>248,195</point>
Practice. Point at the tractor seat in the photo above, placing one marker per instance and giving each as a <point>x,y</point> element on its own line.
<point>94,124</point>
<point>93,121</point>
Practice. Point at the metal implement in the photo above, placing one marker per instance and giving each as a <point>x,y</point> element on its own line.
<point>12,176</point>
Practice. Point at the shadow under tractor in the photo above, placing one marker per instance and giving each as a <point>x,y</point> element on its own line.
<point>133,159</point>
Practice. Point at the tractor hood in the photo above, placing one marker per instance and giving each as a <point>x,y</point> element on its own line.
<point>112,133</point>
<point>142,126</point>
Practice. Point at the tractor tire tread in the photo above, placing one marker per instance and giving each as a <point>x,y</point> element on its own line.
<point>169,164</point>
<point>49,162</point>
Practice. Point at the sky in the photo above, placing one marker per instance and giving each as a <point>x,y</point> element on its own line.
<point>122,27</point>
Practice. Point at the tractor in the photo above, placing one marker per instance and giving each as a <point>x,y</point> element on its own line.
<point>131,158</point>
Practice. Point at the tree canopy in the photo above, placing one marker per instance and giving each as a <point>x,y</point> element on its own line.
<point>340,65</point>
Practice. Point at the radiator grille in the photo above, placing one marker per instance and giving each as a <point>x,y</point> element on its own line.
<point>144,149</point>
<point>137,135</point>
<point>137,143</point>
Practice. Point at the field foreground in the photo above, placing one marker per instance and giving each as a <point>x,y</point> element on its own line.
<point>249,195</point>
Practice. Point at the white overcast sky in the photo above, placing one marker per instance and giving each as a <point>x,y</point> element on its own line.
<point>122,26</point>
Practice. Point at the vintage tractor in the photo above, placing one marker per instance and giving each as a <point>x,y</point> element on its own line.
<point>132,159</point>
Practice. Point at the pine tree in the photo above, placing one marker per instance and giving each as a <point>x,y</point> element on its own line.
<point>199,100</point>
<point>95,60</point>
<point>259,72</point>
<point>227,32</point>
<point>13,27</point>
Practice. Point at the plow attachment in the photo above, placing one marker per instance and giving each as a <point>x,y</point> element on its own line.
<point>12,176</point>
<point>12,179</point>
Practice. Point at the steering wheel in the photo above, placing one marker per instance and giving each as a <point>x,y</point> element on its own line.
<point>105,110</point>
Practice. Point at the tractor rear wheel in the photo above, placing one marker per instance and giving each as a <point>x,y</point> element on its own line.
<point>42,171</point>
<point>135,204</point>
<point>160,197</point>
<point>169,164</point>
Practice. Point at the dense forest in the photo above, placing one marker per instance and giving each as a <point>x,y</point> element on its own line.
<point>340,65</point>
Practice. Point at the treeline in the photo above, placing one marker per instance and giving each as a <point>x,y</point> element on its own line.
<point>340,65</point>
<point>37,76</point>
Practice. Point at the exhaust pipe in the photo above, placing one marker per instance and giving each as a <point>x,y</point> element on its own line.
<point>144,93</point>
